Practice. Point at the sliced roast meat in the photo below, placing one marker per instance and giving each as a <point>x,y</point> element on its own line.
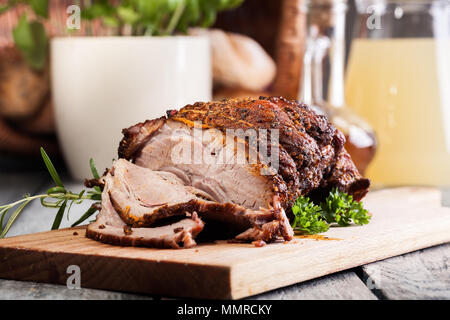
<point>177,235</point>
<point>110,228</point>
<point>206,161</point>
<point>237,162</point>
<point>309,139</point>
<point>311,150</point>
<point>143,197</point>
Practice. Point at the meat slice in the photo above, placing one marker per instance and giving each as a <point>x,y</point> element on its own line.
<point>177,235</point>
<point>110,228</point>
<point>206,161</point>
<point>142,198</point>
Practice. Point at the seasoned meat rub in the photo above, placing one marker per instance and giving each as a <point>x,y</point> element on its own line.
<point>187,163</point>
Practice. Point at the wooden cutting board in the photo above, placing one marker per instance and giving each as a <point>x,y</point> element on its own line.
<point>404,220</point>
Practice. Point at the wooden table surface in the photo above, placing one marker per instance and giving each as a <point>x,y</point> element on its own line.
<point>424,274</point>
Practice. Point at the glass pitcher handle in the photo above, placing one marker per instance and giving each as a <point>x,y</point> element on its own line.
<point>312,81</point>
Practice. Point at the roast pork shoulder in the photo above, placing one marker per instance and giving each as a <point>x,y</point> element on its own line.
<point>237,163</point>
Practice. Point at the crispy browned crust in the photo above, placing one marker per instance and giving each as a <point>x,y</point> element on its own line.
<point>247,114</point>
<point>136,136</point>
<point>300,156</point>
<point>312,155</point>
<point>346,177</point>
<point>304,118</point>
<point>310,146</point>
<point>338,168</point>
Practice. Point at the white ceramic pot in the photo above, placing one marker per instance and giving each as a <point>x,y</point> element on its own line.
<point>101,85</point>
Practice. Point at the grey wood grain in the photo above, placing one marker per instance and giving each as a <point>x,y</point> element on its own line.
<point>22,290</point>
<point>423,274</point>
<point>339,286</point>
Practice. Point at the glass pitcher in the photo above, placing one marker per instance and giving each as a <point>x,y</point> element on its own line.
<point>323,67</point>
<point>398,78</point>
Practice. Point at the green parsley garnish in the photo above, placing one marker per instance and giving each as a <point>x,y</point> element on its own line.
<point>338,207</point>
<point>308,218</point>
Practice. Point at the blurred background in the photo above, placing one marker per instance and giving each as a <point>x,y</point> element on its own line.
<point>74,73</point>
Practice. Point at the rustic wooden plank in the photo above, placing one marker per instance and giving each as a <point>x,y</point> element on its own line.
<point>424,274</point>
<point>339,286</point>
<point>400,224</point>
<point>23,290</point>
<point>407,196</point>
<point>112,271</point>
<point>344,285</point>
<point>331,287</point>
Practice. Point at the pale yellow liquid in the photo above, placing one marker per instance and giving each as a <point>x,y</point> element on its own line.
<point>402,88</point>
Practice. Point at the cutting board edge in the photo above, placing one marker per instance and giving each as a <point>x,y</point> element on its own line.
<point>56,273</point>
<point>243,287</point>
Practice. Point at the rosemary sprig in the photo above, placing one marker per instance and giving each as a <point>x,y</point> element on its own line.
<point>51,169</point>
<point>55,197</point>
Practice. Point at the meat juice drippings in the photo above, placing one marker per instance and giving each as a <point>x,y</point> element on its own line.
<point>401,86</point>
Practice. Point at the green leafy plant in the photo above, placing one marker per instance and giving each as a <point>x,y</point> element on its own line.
<point>338,207</point>
<point>57,197</point>
<point>307,217</point>
<point>29,35</point>
<point>126,17</point>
